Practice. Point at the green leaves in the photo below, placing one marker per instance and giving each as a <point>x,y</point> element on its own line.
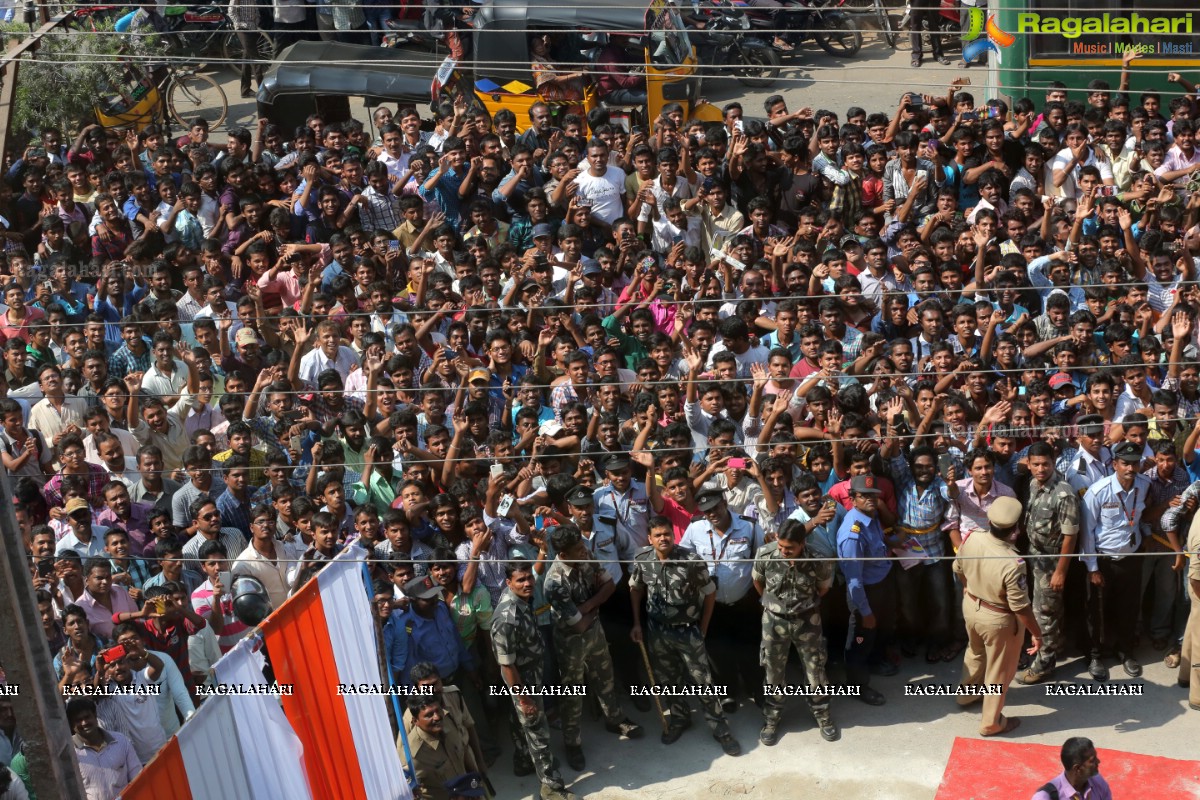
<point>73,70</point>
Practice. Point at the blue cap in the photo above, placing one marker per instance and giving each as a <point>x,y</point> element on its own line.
<point>468,785</point>
<point>542,229</point>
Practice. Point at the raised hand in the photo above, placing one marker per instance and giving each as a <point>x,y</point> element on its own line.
<point>1180,325</point>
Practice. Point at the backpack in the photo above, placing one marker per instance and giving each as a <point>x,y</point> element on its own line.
<point>1051,791</point>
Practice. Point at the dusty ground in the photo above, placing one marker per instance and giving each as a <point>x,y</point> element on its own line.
<point>894,752</point>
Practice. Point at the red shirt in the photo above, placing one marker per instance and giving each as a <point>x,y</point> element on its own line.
<point>887,494</point>
<point>802,369</point>
<point>680,517</point>
<point>11,330</point>
<point>172,639</point>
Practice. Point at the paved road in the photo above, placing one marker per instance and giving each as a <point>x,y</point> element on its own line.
<point>895,752</point>
<point>874,80</point>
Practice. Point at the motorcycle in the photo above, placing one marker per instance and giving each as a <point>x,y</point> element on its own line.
<point>833,30</point>
<point>425,32</point>
<point>723,36</point>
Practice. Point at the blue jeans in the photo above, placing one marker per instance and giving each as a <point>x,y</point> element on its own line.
<point>375,18</point>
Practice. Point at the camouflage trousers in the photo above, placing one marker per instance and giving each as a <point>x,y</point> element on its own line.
<point>779,635</point>
<point>531,735</point>
<point>680,659</point>
<point>583,658</point>
<point>1047,606</point>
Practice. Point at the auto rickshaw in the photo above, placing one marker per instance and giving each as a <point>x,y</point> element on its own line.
<point>653,34</point>
<point>130,104</point>
<point>321,77</point>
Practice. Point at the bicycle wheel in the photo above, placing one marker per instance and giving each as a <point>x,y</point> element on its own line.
<point>193,95</point>
<point>264,50</point>
<point>886,30</point>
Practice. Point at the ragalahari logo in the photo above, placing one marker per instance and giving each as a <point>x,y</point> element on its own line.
<point>981,24</point>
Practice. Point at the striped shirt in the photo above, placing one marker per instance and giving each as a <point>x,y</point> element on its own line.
<point>969,512</point>
<point>108,769</point>
<point>921,509</point>
<point>136,717</point>
<point>204,605</point>
<point>230,538</point>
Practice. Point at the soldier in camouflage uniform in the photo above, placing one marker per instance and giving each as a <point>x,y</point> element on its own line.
<point>1052,514</point>
<point>791,597</point>
<point>576,586</point>
<point>519,652</point>
<point>680,596</point>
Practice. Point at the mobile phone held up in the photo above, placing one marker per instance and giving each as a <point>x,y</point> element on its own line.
<point>113,654</point>
<point>945,464</point>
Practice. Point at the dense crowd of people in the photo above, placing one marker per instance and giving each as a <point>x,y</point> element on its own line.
<point>701,392</point>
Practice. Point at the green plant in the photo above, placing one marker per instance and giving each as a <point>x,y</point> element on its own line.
<point>72,70</point>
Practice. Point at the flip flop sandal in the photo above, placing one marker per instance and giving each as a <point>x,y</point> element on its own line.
<point>1010,725</point>
<point>952,652</point>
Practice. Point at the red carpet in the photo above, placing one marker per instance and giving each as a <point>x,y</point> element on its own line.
<point>986,769</point>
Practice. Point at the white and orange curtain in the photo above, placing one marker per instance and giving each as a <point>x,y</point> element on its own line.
<point>319,745</point>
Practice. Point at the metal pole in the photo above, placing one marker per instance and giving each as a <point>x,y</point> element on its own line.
<point>41,715</point>
<point>8,92</point>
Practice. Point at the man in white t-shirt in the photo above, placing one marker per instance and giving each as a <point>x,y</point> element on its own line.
<point>1075,156</point>
<point>601,186</point>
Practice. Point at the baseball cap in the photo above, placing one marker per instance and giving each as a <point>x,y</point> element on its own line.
<point>1059,380</point>
<point>1128,452</point>
<point>849,240</point>
<point>246,336</point>
<point>580,497</point>
<point>75,504</point>
<point>479,374</point>
<point>863,484</point>
<point>1004,512</point>
<point>422,588</point>
<point>710,499</point>
<point>593,269</point>
<point>542,229</point>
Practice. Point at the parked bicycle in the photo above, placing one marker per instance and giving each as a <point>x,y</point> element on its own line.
<point>883,20</point>
<point>185,93</point>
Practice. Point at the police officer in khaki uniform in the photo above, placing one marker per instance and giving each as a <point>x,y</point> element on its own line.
<point>997,610</point>
<point>439,751</point>
<point>1189,664</point>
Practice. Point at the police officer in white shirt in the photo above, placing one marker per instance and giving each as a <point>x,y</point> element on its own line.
<point>1112,512</point>
<point>728,543</point>
<point>624,501</point>
<point>1093,461</point>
